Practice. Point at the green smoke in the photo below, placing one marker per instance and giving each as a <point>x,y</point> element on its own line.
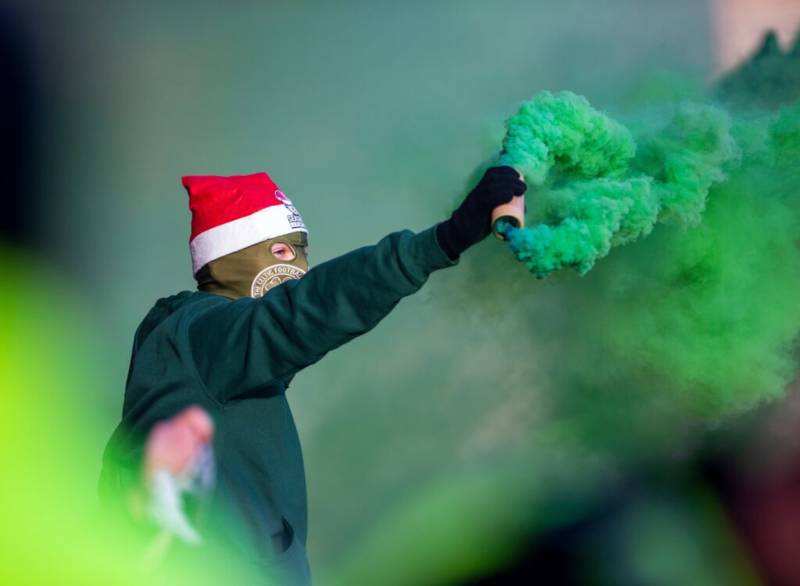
<point>698,320</point>
<point>564,131</point>
<point>596,186</point>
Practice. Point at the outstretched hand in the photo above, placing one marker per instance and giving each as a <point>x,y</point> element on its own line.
<point>471,221</point>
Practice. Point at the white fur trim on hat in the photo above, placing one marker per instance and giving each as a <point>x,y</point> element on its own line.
<point>243,232</point>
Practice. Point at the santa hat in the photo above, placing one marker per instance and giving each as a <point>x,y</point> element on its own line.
<point>232,213</point>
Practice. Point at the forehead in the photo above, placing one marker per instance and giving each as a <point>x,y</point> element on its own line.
<point>293,238</point>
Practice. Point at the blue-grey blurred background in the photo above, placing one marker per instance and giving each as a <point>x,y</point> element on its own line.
<point>371,116</point>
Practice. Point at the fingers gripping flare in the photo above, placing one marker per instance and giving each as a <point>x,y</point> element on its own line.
<point>472,221</point>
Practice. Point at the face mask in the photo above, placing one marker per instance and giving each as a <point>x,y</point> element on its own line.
<point>253,271</point>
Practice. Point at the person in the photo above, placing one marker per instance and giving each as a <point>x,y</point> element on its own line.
<point>259,316</point>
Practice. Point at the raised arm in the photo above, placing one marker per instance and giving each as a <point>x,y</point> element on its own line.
<point>248,345</point>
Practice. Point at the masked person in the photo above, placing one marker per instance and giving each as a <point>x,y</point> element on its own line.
<point>260,316</point>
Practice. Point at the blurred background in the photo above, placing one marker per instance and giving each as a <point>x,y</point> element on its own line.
<point>446,446</point>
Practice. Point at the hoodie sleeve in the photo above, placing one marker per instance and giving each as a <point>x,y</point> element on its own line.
<point>248,345</point>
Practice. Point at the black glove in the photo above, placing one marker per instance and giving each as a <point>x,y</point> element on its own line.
<point>471,222</point>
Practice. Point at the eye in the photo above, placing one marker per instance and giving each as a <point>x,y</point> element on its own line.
<point>282,251</point>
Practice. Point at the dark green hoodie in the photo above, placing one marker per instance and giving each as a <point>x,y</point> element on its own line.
<point>234,358</point>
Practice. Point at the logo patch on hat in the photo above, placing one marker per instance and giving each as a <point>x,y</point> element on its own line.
<point>293,216</point>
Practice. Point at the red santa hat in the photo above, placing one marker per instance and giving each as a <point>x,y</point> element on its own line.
<point>232,213</point>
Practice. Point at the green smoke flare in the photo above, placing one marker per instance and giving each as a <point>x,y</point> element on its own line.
<point>696,321</point>
<point>598,187</point>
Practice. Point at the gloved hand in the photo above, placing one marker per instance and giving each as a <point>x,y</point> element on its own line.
<point>471,222</point>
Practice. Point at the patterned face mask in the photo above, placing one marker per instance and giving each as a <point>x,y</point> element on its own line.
<point>291,257</point>
<point>253,271</point>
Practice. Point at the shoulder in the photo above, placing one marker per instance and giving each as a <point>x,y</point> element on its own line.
<point>168,312</point>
